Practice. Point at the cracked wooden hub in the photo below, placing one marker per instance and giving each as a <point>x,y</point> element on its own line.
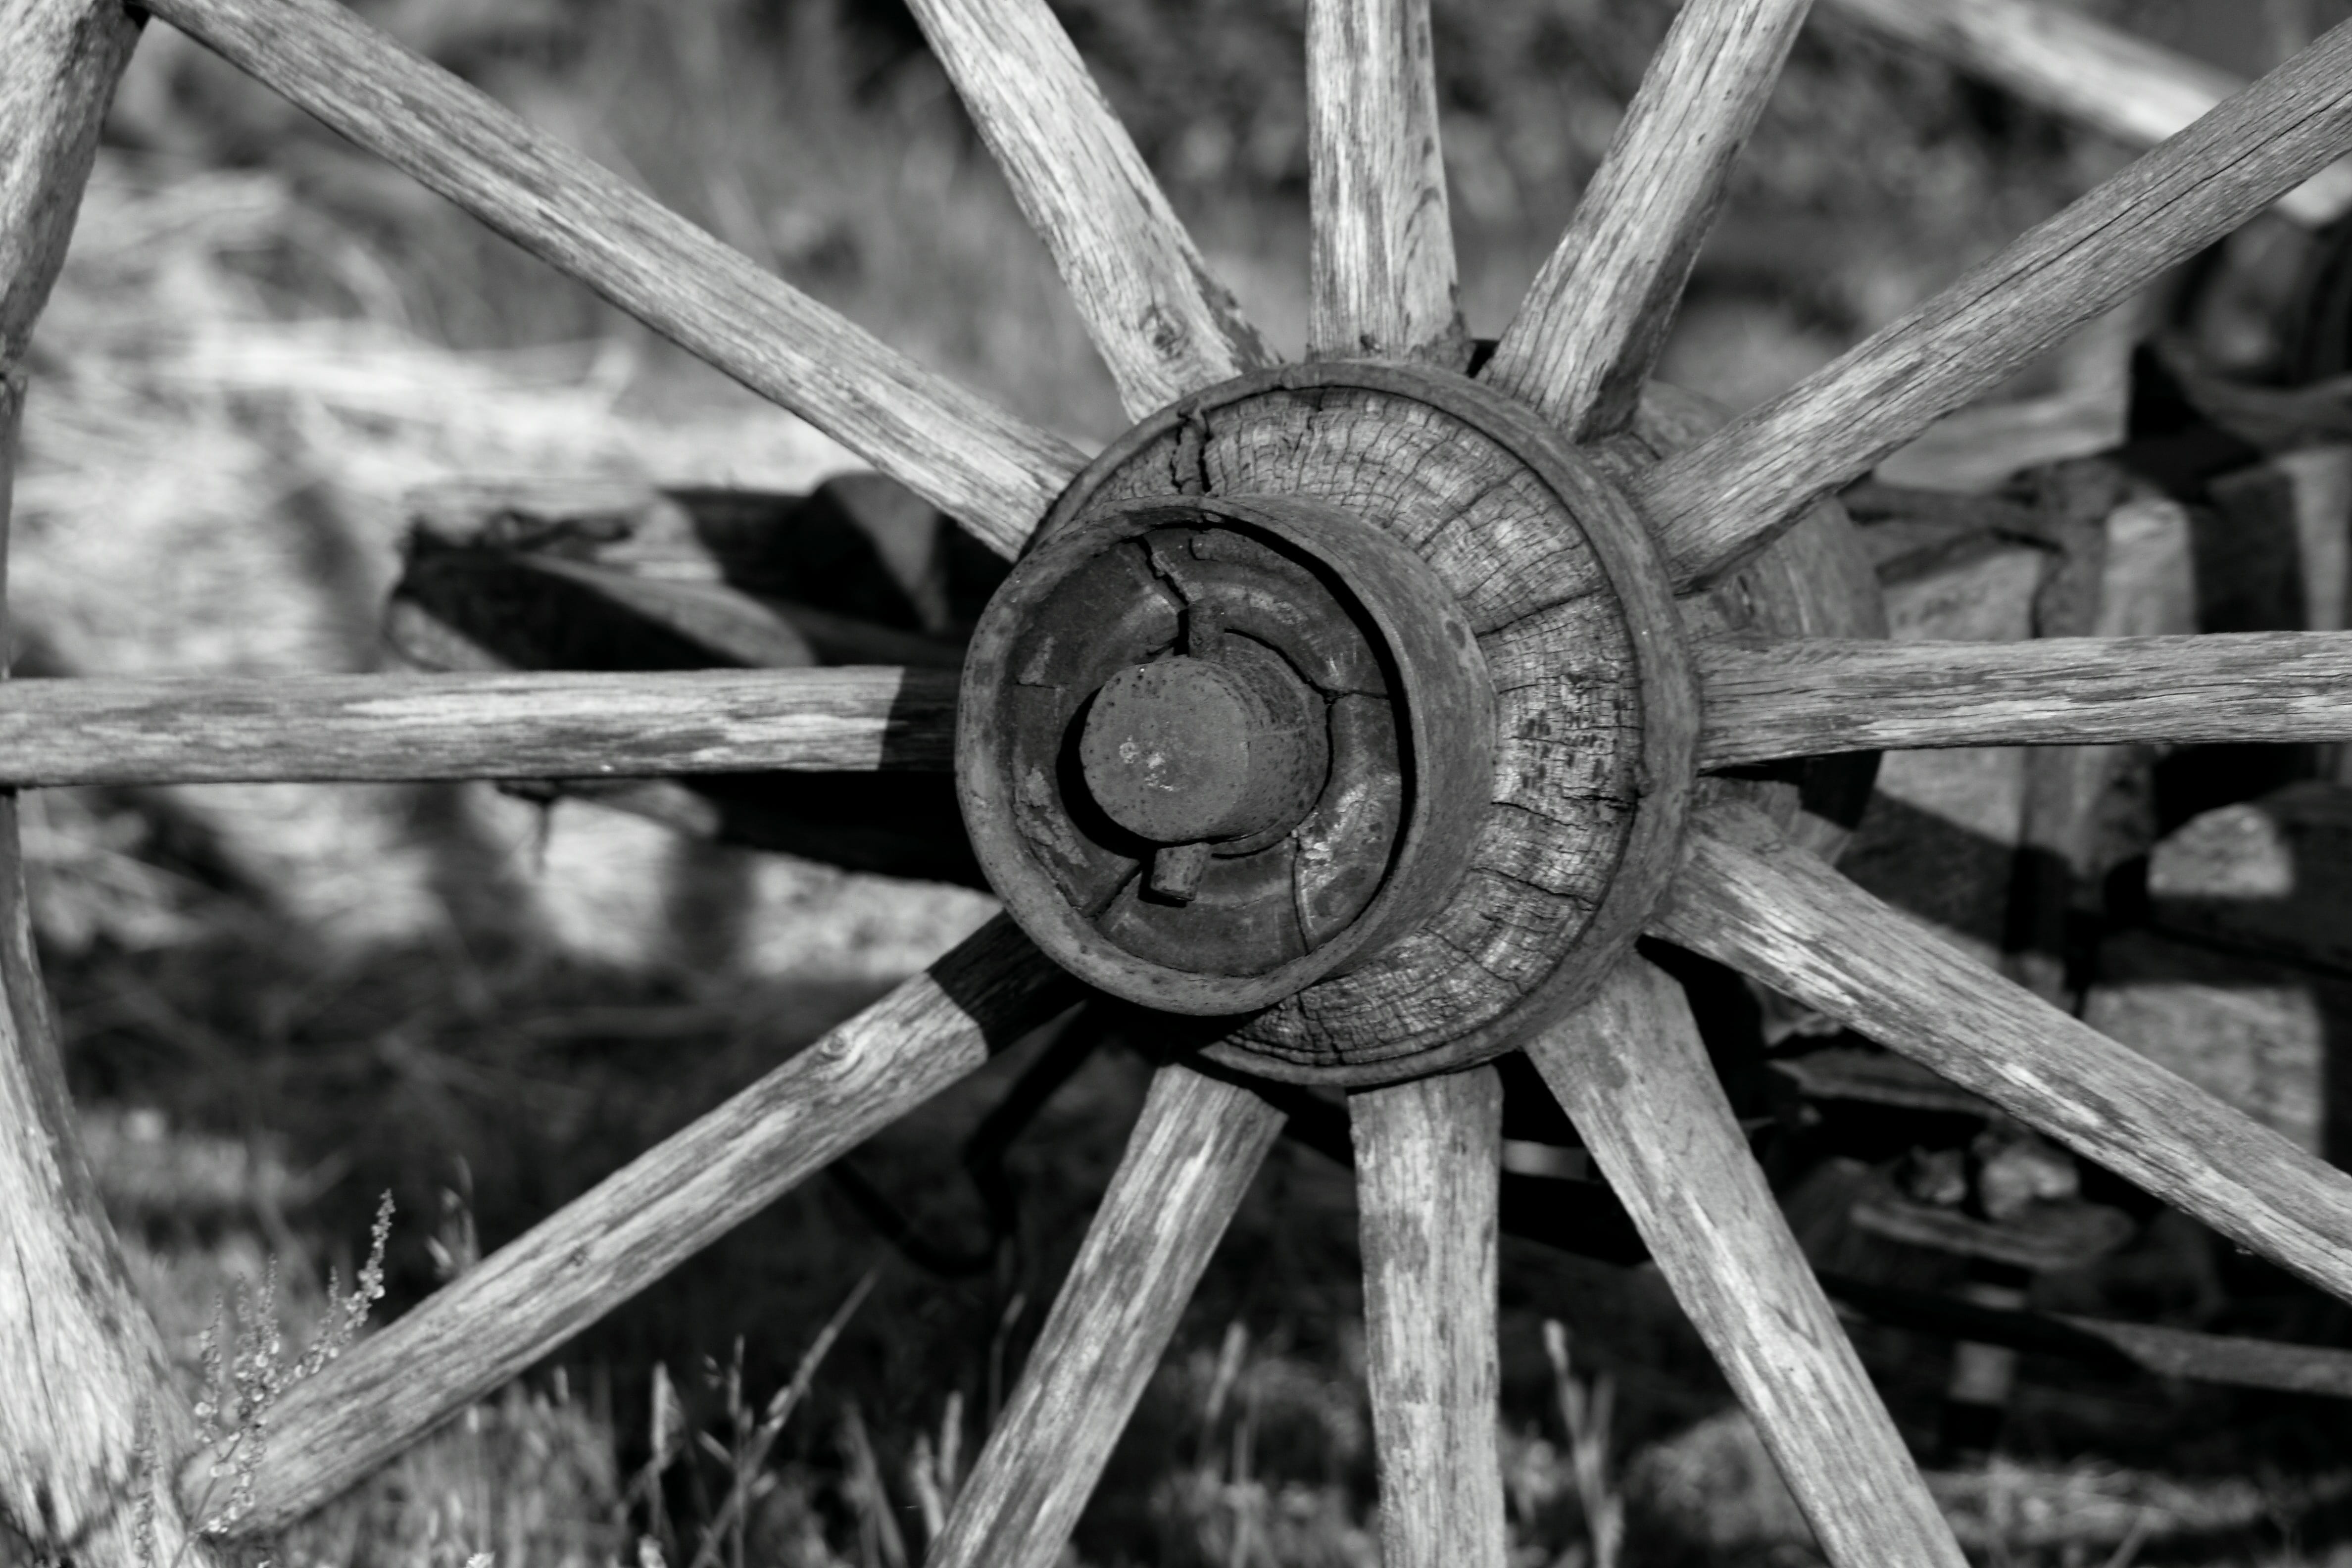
<point>1346,697</point>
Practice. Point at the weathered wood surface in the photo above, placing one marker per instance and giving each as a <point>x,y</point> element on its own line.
<point>2063,785</point>
<point>87,1383</point>
<point>1187,1164</point>
<point>56,78</point>
<point>992,470</point>
<point>1799,698</point>
<point>2062,60</point>
<point>1940,834</point>
<point>1429,1165</point>
<point>1591,327</point>
<point>1380,256</point>
<point>543,725</point>
<point>2086,411</point>
<point>1525,539</point>
<point>1630,1070</point>
<point>1717,503</point>
<point>644,1220</point>
<point>1750,900</point>
<point>1163,325</point>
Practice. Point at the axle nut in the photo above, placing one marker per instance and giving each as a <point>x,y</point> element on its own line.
<point>1183,749</point>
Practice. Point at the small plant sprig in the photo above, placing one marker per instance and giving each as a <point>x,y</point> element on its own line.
<point>1584,1410</point>
<point>245,1372</point>
<point>755,1435</point>
<point>936,1470</point>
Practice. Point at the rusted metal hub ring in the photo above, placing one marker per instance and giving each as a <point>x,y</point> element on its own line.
<point>1204,742</point>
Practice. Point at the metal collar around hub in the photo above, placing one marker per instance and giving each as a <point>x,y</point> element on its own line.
<point>1211,745</point>
<point>1347,699</point>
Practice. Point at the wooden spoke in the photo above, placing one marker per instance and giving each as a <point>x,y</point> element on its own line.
<point>1632,1073</point>
<point>1785,916</point>
<point>92,1390</point>
<point>1382,257</point>
<point>1162,323</point>
<point>56,78</point>
<point>1590,330</point>
<point>992,471</point>
<point>1804,697</point>
<point>1718,503</point>
<point>281,728</point>
<point>2064,60</point>
<point>1429,1165</point>
<point>640,1222</point>
<point>1187,1164</point>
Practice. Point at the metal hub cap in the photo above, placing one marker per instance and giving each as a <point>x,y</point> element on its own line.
<point>1186,749</point>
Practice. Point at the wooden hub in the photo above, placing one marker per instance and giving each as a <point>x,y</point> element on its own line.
<point>1346,701</point>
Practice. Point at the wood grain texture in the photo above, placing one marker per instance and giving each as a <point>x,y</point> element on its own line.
<point>1591,327</point>
<point>993,472</point>
<point>543,725</point>
<point>646,1219</point>
<point>2060,60</point>
<point>1750,900</point>
<point>1816,580</point>
<point>1717,504</point>
<point>89,1383</point>
<point>1187,1164</point>
<point>1632,1074</point>
<point>1163,325</point>
<point>1807,697</point>
<point>1380,256</point>
<point>59,60</point>
<point>1595,709</point>
<point>1429,1165</point>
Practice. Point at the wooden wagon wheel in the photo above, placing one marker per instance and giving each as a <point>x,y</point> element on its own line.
<point>1353,692</point>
